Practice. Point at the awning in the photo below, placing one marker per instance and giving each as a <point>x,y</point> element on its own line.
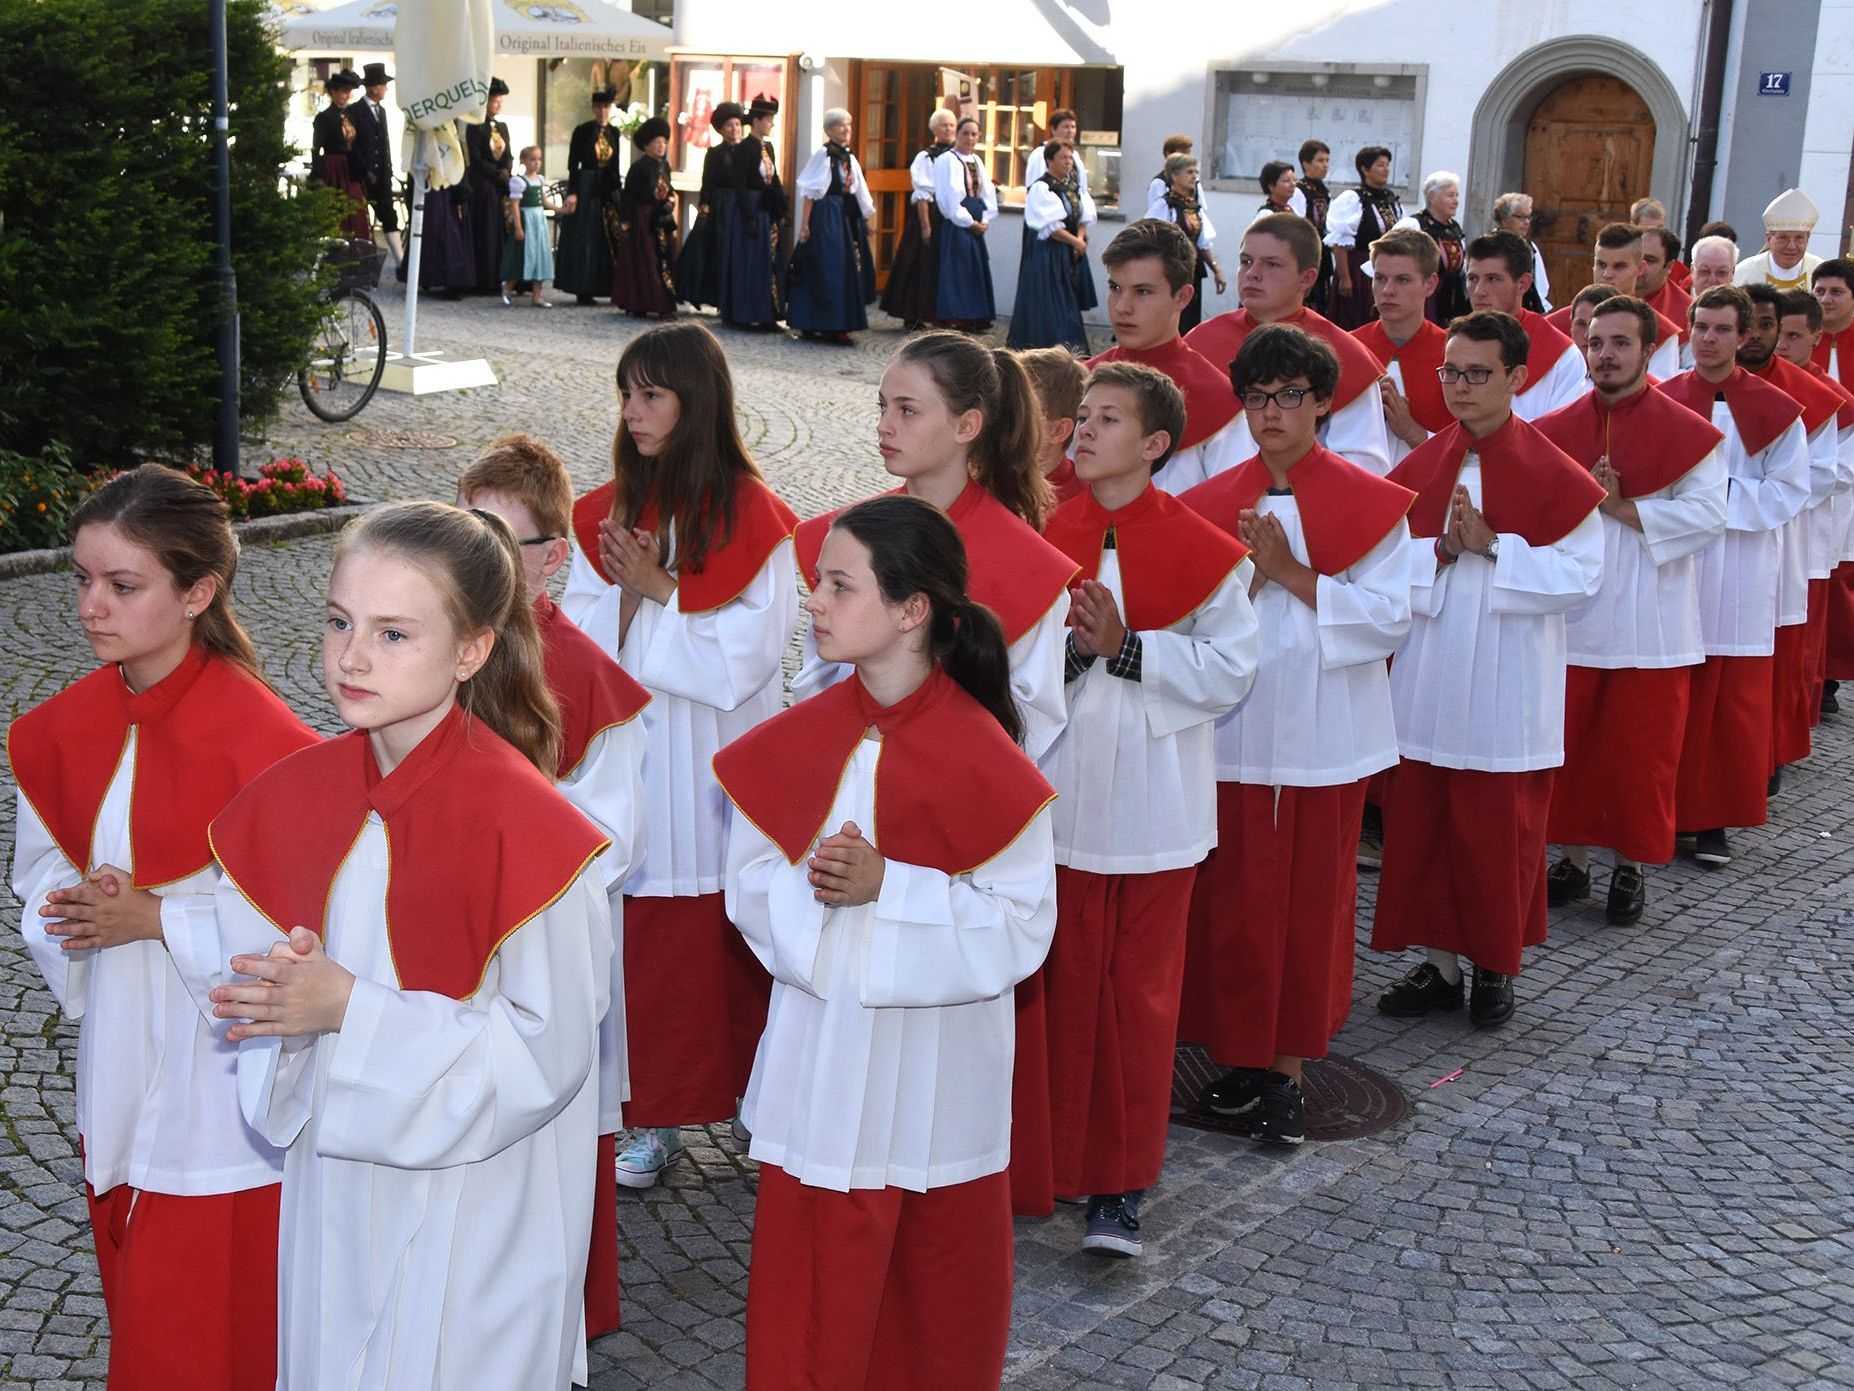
<point>543,29</point>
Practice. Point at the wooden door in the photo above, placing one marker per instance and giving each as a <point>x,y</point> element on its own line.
<point>1589,154</point>
<point>886,139</point>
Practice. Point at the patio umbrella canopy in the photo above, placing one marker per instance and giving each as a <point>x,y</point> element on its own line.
<point>547,29</point>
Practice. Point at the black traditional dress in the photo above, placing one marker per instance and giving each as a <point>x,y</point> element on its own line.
<point>1450,299</point>
<point>642,279</point>
<point>583,265</point>
<point>1313,192</point>
<point>913,276</point>
<point>752,288</point>
<point>704,249</point>
<point>1187,210</point>
<point>446,260</point>
<point>1359,217</point>
<point>334,162</point>
<point>832,277</point>
<point>492,163</point>
<point>1047,312</point>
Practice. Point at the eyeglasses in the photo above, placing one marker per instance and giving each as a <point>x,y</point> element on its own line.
<point>1477,376</point>
<point>1288,398</point>
<point>539,540</point>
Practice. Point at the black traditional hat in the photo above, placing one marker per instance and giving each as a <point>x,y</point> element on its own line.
<point>498,88</point>
<point>656,126</point>
<point>337,81</point>
<point>605,96</point>
<point>725,112</point>
<point>374,74</point>
<point>763,106</point>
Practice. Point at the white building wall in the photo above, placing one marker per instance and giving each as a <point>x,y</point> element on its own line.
<point>1828,134</point>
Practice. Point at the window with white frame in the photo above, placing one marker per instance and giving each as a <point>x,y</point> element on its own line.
<point>1264,111</point>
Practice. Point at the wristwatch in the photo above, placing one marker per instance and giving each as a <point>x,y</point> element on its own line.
<point>1492,551</point>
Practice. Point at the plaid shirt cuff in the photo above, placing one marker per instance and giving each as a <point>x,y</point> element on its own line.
<point>1073,663</point>
<point>1126,664</point>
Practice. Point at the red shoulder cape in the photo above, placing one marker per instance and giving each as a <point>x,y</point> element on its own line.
<point>761,521</point>
<point>1062,478</point>
<point>1218,339</point>
<point>594,693</point>
<point>1529,486</point>
<point>952,790</point>
<point>1841,347</point>
<point>1171,559</point>
<point>1844,413</point>
<point>1652,440</point>
<point>1344,510</point>
<point>1560,319</point>
<point>1760,412</point>
<point>203,733</point>
<point>1671,303</point>
<point>1010,569</point>
<point>479,842</point>
<point>1548,344</point>
<point>1817,396</point>
<point>1419,358</point>
<point>1210,402</point>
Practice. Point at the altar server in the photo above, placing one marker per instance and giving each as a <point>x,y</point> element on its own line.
<point>1405,340</point>
<point>1268,977</point>
<point>890,861</point>
<point>119,776</point>
<point>683,570</point>
<point>1162,643</point>
<point>419,955</point>
<point>1499,277</point>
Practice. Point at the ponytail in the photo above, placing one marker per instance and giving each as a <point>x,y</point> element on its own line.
<point>1004,457</point>
<point>914,548</point>
<point>474,562</point>
<point>185,526</point>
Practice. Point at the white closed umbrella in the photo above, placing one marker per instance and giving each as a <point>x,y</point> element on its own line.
<point>442,51</point>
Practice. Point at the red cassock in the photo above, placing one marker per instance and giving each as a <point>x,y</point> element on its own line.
<point>1464,850</point>
<point>1724,757</point>
<point>1220,339</point>
<point>1114,970</point>
<point>1268,962</point>
<point>594,694</point>
<point>1671,302</point>
<point>1839,618</point>
<point>191,1286</point>
<point>1624,726</point>
<point>1801,660</point>
<point>1210,400</point>
<point>687,1069</point>
<point>883,1288</point>
<point>1418,360</point>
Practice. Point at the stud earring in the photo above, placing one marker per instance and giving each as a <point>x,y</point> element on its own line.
<point>189,615</point>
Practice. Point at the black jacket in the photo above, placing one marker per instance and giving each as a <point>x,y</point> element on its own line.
<point>582,153</point>
<point>749,175</point>
<point>486,170</point>
<point>373,146</point>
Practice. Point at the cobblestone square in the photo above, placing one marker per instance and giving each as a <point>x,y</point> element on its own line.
<point>1646,1179</point>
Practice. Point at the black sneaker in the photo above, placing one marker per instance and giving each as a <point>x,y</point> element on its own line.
<point>1490,1002</point>
<point>1113,1225</point>
<point>1774,786</point>
<point>1371,839</point>
<point>1566,883</point>
<point>1628,893</point>
<point>1236,1092</point>
<point>1282,1119</point>
<point>1831,702</point>
<point>1712,849</point>
<point>1423,991</point>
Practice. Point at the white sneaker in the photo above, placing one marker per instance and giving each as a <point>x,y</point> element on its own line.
<point>647,1156</point>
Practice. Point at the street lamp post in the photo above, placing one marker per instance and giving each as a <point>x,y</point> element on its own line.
<point>225,279</point>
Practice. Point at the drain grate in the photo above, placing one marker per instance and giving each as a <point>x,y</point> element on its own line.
<point>399,439</point>
<point>1345,1099</point>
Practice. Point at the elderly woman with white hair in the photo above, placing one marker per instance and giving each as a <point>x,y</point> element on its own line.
<point>1437,220</point>
<point>913,276</point>
<point>1181,203</point>
<point>1512,212</point>
<point>832,278</point>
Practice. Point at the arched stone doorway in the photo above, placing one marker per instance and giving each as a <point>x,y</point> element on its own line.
<point>1609,117</point>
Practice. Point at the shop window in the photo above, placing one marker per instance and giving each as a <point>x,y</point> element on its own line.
<point>1264,111</point>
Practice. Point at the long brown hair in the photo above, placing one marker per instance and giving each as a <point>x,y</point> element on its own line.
<point>693,477</point>
<point>185,526</point>
<point>991,381</point>
<point>474,562</point>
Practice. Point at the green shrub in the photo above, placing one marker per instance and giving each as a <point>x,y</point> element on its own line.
<point>106,250</point>
<point>38,493</point>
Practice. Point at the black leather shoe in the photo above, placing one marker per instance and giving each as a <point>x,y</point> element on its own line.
<point>1236,1092</point>
<point>1628,892</point>
<point>1490,1002</point>
<point>1566,883</point>
<point>1774,786</point>
<point>1712,849</point>
<point>1831,700</point>
<point>1421,992</point>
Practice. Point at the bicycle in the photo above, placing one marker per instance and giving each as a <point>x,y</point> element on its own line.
<point>347,357</point>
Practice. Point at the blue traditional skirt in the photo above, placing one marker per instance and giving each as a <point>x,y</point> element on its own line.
<point>832,278</point>
<point>704,251</point>
<point>964,294</point>
<point>1045,314</point>
<point>446,260</point>
<point>531,258</point>
<point>752,271</point>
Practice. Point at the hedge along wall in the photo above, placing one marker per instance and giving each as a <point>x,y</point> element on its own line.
<point>107,301</point>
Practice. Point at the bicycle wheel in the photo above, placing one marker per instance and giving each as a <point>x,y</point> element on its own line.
<point>346,359</point>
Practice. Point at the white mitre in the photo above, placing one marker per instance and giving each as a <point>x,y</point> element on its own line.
<point>1791,211</point>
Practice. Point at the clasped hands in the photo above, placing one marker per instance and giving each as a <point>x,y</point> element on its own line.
<point>1467,529</point>
<point>1094,620</point>
<point>633,558</point>
<point>295,988</point>
<point>102,910</point>
<point>846,870</point>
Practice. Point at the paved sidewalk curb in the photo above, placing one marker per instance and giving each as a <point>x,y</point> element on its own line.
<point>259,531</point>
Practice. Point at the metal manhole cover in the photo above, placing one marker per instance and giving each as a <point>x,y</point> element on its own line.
<point>1345,1099</point>
<point>400,439</point>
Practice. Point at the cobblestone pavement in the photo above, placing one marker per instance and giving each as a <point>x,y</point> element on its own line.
<point>1642,1181</point>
